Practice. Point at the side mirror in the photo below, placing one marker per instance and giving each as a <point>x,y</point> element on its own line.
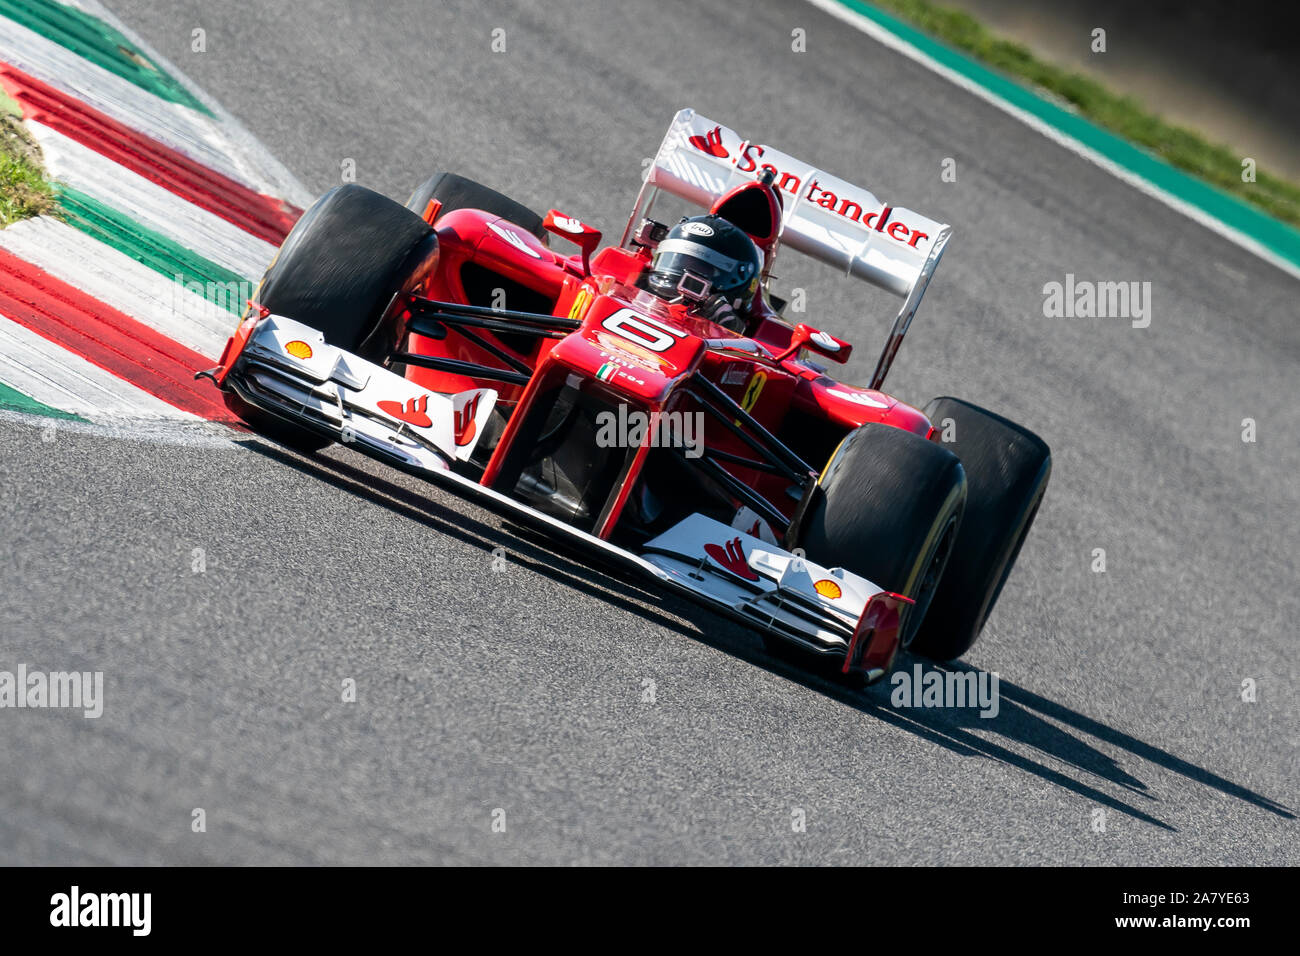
<point>823,343</point>
<point>576,231</point>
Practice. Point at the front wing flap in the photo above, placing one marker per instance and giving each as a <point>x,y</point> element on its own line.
<point>288,369</point>
<point>827,610</point>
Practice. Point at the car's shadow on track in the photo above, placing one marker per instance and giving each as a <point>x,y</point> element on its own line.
<point>1023,716</point>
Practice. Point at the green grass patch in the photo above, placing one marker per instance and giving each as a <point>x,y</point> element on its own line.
<point>1122,115</point>
<point>24,190</point>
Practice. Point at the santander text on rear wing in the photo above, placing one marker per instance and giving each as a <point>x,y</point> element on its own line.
<point>824,217</point>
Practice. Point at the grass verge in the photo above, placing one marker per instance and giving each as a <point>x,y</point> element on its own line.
<point>24,190</point>
<point>1121,115</point>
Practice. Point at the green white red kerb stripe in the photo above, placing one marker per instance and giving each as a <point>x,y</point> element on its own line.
<point>171,211</point>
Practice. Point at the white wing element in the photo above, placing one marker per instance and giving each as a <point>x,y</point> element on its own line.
<point>825,217</point>
<point>762,581</point>
<point>288,367</point>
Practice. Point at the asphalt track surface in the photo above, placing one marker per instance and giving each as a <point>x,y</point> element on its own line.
<point>523,689</point>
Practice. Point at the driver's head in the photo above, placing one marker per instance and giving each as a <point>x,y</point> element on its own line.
<point>706,258</point>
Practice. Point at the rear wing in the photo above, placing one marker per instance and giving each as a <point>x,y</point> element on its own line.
<point>827,218</point>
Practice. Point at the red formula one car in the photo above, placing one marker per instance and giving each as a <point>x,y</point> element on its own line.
<point>646,398</point>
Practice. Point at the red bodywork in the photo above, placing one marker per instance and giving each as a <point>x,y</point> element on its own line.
<point>647,348</point>
<point>567,339</point>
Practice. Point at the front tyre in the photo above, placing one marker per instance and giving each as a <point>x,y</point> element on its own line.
<point>458,192</point>
<point>887,507</point>
<point>1007,468</point>
<point>337,271</point>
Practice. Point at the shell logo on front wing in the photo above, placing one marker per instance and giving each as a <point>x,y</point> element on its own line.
<point>828,589</point>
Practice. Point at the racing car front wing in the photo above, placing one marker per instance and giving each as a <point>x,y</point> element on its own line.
<point>286,369</point>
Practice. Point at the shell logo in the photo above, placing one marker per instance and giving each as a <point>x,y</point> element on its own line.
<point>298,349</point>
<point>828,589</point>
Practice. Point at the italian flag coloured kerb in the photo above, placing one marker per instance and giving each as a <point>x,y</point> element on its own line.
<point>170,211</point>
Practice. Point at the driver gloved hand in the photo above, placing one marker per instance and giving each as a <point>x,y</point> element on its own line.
<point>717,309</point>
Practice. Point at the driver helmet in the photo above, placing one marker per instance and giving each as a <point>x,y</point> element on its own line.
<point>703,259</point>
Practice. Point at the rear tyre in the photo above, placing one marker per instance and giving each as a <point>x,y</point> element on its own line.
<point>336,271</point>
<point>1007,470</point>
<point>887,507</point>
<point>457,192</point>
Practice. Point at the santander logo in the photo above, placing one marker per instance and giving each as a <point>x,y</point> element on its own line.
<point>732,557</point>
<point>414,412</point>
<point>711,143</point>
<point>465,425</point>
<point>848,208</point>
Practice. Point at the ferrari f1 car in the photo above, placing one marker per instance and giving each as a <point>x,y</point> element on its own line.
<point>447,337</point>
